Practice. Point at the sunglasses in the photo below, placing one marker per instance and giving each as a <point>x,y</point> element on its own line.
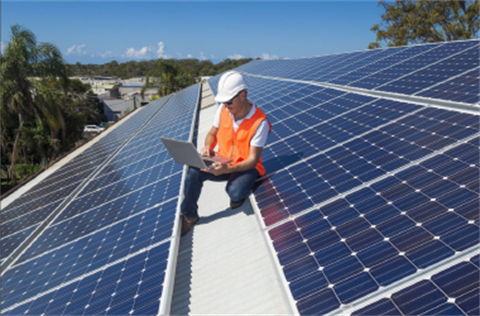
<point>231,100</point>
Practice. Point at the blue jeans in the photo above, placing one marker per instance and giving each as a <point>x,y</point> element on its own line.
<point>238,187</point>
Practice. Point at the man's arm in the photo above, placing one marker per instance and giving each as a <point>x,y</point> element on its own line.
<point>210,142</point>
<point>247,164</point>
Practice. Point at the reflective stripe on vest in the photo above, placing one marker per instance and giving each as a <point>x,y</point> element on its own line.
<point>237,145</point>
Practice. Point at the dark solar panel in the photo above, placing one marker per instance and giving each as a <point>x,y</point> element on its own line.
<point>363,192</point>
<point>453,291</point>
<point>34,206</point>
<point>462,88</point>
<point>107,252</point>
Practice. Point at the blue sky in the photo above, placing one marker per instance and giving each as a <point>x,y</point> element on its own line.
<point>101,31</point>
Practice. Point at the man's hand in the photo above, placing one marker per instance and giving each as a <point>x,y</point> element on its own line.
<point>218,169</point>
<point>207,152</point>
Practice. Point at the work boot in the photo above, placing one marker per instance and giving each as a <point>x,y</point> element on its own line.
<point>234,205</point>
<point>187,223</point>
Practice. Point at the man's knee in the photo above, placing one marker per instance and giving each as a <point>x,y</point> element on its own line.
<point>237,192</point>
<point>236,195</point>
<point>193,174</point>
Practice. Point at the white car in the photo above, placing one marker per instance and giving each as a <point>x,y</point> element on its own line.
<point>92,129</point>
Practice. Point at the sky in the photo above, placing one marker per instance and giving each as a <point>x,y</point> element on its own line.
<point>98,32</point>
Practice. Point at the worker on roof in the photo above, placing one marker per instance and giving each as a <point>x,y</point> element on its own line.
<point>240,129</point>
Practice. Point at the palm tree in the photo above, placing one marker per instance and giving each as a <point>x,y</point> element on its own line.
<point>168,77</point>
<point>29,98</point>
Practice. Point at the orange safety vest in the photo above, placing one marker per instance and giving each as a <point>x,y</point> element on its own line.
<point>237,145</point>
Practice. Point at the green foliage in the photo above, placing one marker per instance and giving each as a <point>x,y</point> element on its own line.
<point>42,111</point>
<point>23,171</point>
<point>168,77</point>
<point>425,21</point>
<point>130,69</point>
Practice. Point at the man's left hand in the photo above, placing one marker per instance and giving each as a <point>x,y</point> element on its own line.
<point>218,169</point>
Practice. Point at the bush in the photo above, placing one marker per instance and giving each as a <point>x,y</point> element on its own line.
<point>24,171</point>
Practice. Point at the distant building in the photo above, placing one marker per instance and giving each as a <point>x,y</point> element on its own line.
<point>136,87</point>
<point>115,109</point>
<point>111,90</point>
<point>97,80</point>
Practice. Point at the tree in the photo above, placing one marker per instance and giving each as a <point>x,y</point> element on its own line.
<point>168,77</point>
<point>425,21</point>
<point>30,99</point>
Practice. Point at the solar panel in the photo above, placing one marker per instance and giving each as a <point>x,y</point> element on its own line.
<point>33,207</point>
<point>369,197</point>
<point>364,192</point>
<point>461,88</point>
<point>453,291</point>
<point>400,70</point>
<point>111,249</point>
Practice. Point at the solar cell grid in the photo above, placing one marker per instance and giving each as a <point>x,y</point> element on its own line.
<point>342,240</point>
<point>39,202</point>
<point>391,249</point>
<point>363,158</point>
<point>339,75</point>
<point>12,241</point>
<point>108,225</point>
<point>362,233</point>
<point>453,291</point>
<point>462,88</point>
<point>123,288</point>
<point>422,78</point>
<point>392,69</point>
<point>371,75</point>
<point>30,219</point>
<point>324,65</point>
<point>93,155</point>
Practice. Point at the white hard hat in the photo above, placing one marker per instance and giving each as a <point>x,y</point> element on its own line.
<point>229,85</point>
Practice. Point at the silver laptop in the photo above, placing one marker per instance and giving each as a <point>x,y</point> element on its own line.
<point>186,154</point>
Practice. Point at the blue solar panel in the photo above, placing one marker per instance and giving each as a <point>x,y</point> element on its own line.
<point>34,206</point>
<point>107,252</point>
<point>380,151</point>
<point>362,192</point>
<point>411,213</point>
<point>424,70</point>
<point>453,291</point>
<point>462,88</point>
<point>443,70</point>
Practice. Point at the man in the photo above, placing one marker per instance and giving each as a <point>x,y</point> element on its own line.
<point>240,129</point>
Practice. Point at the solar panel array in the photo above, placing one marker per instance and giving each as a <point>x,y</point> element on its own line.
<point>450,292</point>
<point>27,212</point>
<point>368,200</point>
<point>108,251</point>
<point>366,193</point>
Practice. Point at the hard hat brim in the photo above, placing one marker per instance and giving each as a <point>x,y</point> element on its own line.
<point>227,97</point>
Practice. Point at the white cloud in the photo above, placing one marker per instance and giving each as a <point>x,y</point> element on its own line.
<point>202,56</point>
<point>179,55</point>
<point>189,55</point>
<point>107,54</point>
<point>235,56</point>
<point>76,50</point>
<point>161,50</point>
<point>70,50</point>
<point>141,53</point>
<point>147,52</point>
<point>268,56</point>
<point>212,56</point>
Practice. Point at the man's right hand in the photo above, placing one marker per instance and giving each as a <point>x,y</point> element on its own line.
<point>206,152</point>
